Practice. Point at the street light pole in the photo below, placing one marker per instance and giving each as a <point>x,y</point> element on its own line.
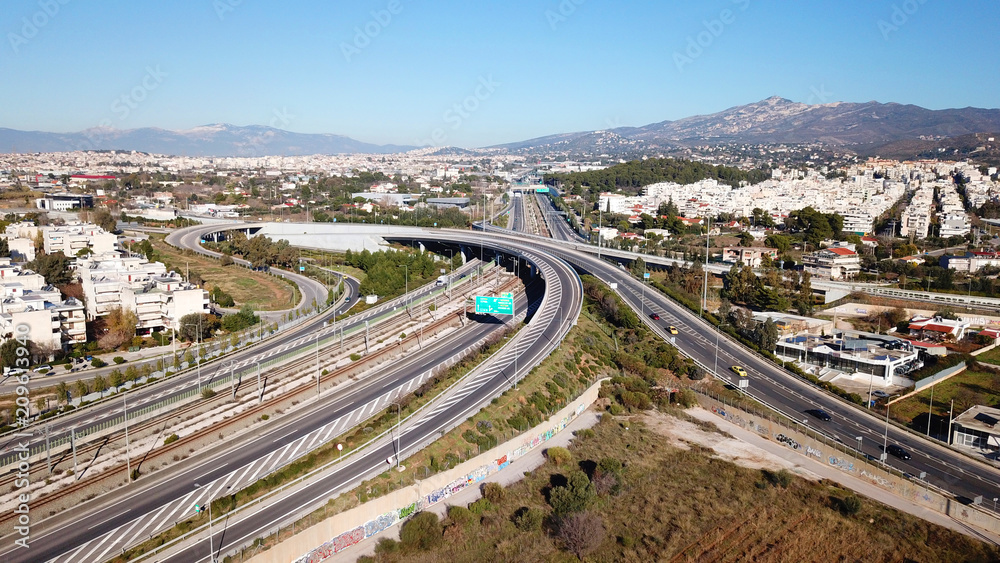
<point>406,291</point>
<point>398,419</point>
<point>885,439</point>
<point>128,457</point>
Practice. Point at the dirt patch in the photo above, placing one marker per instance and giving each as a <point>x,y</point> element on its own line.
<point>263,292</point>
<point>684,433</point>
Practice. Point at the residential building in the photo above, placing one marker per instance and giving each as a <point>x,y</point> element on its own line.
<point>970,262</point>
<point>159,298</point>
<point>834,263</point>
<point>749,256</point>
<point>937,328</point>
<point>71,239</point>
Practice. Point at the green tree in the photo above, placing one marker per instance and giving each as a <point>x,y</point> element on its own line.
<point>100,384</point>
<point>574,496</point>
<point>120,324</point>
<point>423,532</point>
<point>746,239</point>
<point>53,267</point>
<point>62,392</point>
<point>103,219</point>
<point>9,353</point>
<point>81,388</point>
<point>116,378</point>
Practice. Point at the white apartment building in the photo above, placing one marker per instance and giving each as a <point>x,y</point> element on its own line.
<point>748,256</point>
<point>71,239</point>
<point>159,298</point>
<point>834,263</point>
<point>26,299</point>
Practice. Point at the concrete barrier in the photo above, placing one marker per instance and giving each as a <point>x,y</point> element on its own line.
<point>351,527</point>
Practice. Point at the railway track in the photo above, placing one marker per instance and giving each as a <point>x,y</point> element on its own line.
<point>113,477</point>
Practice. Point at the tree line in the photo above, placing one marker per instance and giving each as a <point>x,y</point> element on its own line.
<point>631,176</point>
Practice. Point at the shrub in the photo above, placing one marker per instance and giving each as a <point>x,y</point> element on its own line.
<point>98,363</point>
<point>118,360</point>
<point>461,516</point>
<point>207,393</point>
<point>582,533</point>
<point>851,505</point>
<point>528,519</point>
<point>687,398</point>
<point>585,433</point>
<point>494,492</point>
<point>574,497</point>
<point>170,439</point>
<point>355,357</point>
<point>481,507</point>
<point>559,456</point>
<point>422,532</point>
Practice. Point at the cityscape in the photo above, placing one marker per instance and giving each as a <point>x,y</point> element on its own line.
<point>557,282</point>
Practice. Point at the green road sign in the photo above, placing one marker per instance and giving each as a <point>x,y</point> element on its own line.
<point>507,295</point>
<point>494,305</point>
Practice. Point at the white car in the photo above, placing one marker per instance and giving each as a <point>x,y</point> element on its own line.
<point>43,368</point>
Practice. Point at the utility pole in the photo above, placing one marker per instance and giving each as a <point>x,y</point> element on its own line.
<point>128,456</point>
<point>317,365</point>
<point>704,299</point>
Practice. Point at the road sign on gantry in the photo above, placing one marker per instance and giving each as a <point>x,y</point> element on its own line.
<point>494,305</point>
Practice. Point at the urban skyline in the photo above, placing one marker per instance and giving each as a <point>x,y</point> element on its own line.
<point>390,72</point>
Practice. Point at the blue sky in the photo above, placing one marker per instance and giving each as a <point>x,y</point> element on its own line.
<point>477,73</point>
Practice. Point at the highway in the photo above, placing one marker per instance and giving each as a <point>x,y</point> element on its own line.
<point>768,383</point>
<point>772,385</point>
<point>556,314</point>
<point>140,510</point>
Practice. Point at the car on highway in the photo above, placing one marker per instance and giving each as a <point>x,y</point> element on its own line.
<point>820,414</point>
<point>347,299</point>
<point>738,370</point>
<point>672,329</point>
<point>654,316</point>
<point>898,452</point>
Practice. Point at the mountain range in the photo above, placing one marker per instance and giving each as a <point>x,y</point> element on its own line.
<point>207,140</point>
<point>774,120</point>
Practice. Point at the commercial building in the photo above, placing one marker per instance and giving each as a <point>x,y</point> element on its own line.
<point>938,328</point>
<point>65,202</point>
<point>882,360</point>
<point>977,428</point>
<point>970,262</point>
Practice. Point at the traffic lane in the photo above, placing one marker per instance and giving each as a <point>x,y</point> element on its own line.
<point>95,415</point>
<point>246,530</point>
<point>960,479</point>
<point>272,439</point>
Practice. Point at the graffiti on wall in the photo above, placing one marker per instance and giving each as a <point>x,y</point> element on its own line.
<point>384,521</point>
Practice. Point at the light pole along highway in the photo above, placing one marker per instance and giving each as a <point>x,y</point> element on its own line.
<point>944,467</point>
<point>563,292</point>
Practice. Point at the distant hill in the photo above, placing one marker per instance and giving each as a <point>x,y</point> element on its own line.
<point>207,140</point>
<point>977,147</point>
<point>777,120</point>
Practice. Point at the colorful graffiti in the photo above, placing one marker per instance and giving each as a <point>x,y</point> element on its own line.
<point>387,520</point>
<point>842,464</point>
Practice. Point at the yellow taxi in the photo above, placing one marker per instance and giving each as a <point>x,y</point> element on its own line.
<point>740,371</point>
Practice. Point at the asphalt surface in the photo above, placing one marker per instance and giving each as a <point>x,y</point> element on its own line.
<point>134,502</point>
<point>772,385</point>
<point>549,325</point>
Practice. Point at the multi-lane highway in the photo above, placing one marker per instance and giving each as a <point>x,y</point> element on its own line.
<point>768,383</point>
<point>944,467</point>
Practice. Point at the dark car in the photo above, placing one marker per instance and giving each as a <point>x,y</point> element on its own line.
<point>898,452</point>
<point>654,316</point>
<point>820,414</point>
